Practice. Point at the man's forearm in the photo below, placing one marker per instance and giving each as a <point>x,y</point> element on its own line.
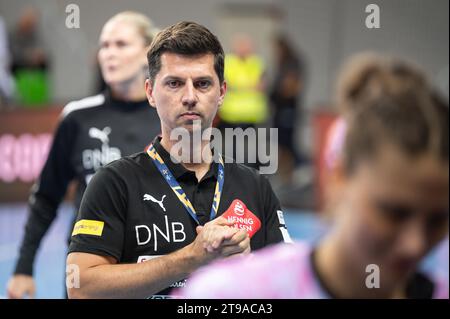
<point>135,280</point>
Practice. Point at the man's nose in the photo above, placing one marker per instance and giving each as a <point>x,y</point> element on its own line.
<point>189,98</point>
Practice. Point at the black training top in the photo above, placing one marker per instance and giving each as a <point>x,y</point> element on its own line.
<point>131,213</point>
<point>92,132</point>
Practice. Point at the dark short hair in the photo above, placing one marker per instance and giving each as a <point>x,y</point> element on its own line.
<point>185,38</point>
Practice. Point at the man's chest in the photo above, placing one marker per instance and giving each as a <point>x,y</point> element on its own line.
<point>158,222</point>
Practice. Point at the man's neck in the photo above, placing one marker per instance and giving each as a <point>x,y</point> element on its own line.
<point>196,158</point>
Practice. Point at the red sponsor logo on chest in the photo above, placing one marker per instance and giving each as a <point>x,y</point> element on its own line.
<point>242,217</point>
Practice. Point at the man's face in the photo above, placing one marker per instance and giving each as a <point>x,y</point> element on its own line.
<point>186,91</point>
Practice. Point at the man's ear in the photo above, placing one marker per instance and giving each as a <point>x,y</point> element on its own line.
<point>223,91</point>
<point>149,92</point>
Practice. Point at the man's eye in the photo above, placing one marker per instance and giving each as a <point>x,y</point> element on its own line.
<point>203,84</point>
<point>121,44</point>
<point>173,84</point>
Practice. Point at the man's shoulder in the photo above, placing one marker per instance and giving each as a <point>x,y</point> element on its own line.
<point>240,170</point>
<point>127,165</point>
<point>247,177</point>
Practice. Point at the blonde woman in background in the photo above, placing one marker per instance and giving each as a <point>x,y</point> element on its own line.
<point>91,133</point>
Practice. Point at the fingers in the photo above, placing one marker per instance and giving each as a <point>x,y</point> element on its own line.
<point>220,239</point>
<point>21,286</point>
<point>13,291</point>
<point>198,229</point>
<point>214,236</point>
<point>236,239</point>
<point>242,248</point>
<point>20,293</point>
<point>32,292</point>
<point>13,294</point>
<point>226,233</point>
<point>221,221</point>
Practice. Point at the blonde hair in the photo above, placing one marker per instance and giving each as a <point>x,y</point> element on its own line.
<point>144,24</point>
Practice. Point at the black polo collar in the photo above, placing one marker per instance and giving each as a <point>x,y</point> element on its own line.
<point>177,169</point>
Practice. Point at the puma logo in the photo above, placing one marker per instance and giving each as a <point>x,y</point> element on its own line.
<point>159,202</point>
<point>102,135</point>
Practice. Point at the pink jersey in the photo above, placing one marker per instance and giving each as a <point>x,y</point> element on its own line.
<point>283,271</point>
<point>280,271</point>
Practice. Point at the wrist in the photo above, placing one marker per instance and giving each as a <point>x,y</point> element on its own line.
<point>192,258</point>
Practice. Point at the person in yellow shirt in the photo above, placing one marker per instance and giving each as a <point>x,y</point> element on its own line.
<point>245,105</point>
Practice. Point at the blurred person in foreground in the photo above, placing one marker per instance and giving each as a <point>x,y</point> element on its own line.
<point>390,204</point>
<point>370,67</point>
<point>91,133</point>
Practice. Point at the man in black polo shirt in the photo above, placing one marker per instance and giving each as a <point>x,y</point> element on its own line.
<point>146,221</point>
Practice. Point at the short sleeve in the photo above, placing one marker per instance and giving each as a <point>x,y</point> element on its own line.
<point>276,230</point>
<point>100,224</point>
